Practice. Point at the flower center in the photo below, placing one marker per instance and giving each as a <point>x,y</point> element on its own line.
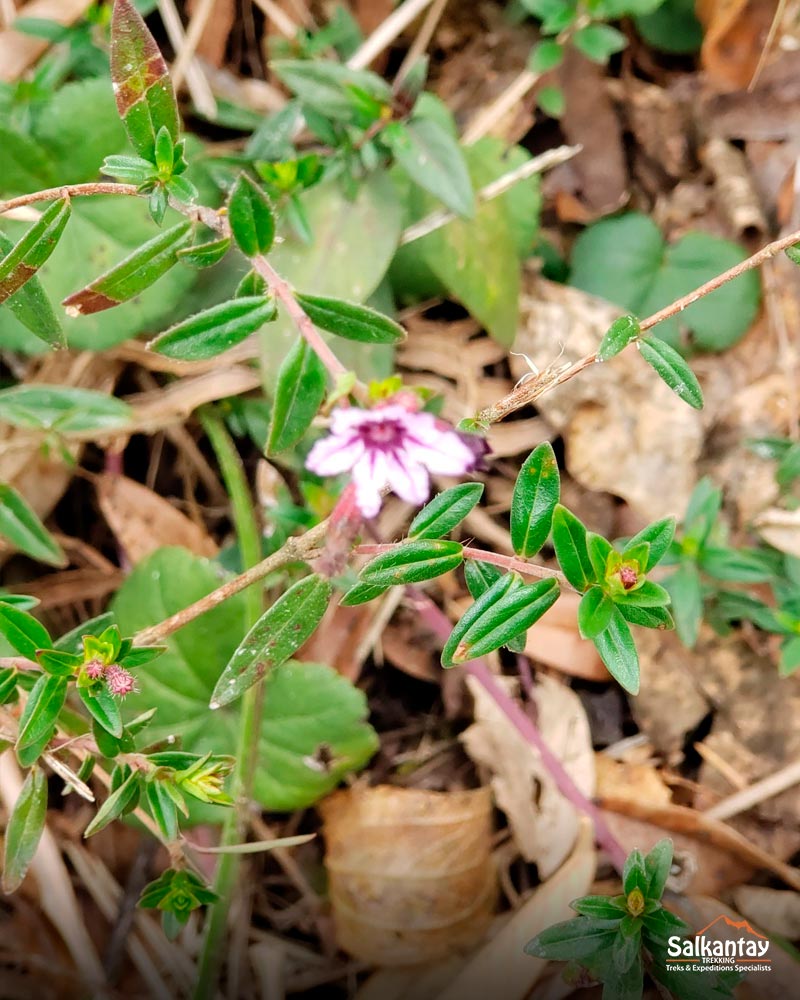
<point>628,577</point>
<point>384,435</point>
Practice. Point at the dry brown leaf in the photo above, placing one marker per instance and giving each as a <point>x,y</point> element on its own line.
<point>554,640</point>
<point>143,521</point>
<point>780,529</point>
<point>735,34</point>
<point>776,910</point>
<point>621,424</point>
<point>627,779</point>
<point>18,51</point>
<point>543,822</point>
<point>411,877</point>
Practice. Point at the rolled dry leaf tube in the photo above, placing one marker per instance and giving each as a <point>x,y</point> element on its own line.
<point>411,874</point>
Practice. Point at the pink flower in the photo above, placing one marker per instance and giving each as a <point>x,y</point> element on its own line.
<point>95,669</point>
<point>390,446</point>
<point>120,681</point>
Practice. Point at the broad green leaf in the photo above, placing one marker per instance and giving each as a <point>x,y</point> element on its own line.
<point>536,494</point>
<point>658,864</point>
<point>24,829</point>
<point>328,87</point>
<point>649,595</point>
<point>599,42</point>
<point>33,310</point>
<point>58,662</point>
<point>446,511</point>
<point>20,524</point>
<point>659,536</point>
<point>569,541</point>
<point>142,86</point>
<point>252,217</point>
<point>162,808</point>
<point>573,939</point>
<point>621,332</point>
<point>24,163</point>
<point>594,612</point>
<point>104,708</point>
<point>412,562</point>
<point>545,55</point>
<point>618,651</point>
<point>599,550</point>
<point>275,637</point>
<point>671,27</point>
<point>501,613</point>
<point>23,631</point>
<point>604,907</point>
<point>215,330</point>
<point>51,407</point>
<point>205,254</point>
<point>658,617</point>
<point>433,159</point>
<point>736,565</point>
<point>306,705</point>
<point>625,260</point>
<point>701,513</point>
<point>552,101</point>
<point>115,805</point>
<point>351,321</point>
<point>476,260</point>
<point>634,874</point>
<point>22,262</point>
<point>480,576</point>
<point>298,396</point>
<point>686,592</point>
<point>39,717</point>
<point>361,593</point>
<point>132,275</point>
<point>673,370</point>
<point>790,656</point>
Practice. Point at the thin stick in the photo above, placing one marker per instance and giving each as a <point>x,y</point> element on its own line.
<point>278,17</point>
<point>295,548</point>
<point>421,41</point>
<point>486,119</point>
<point>439,218</point>
<point>386,32</point>
<point>68,191</point>
<point>196,83</point>
<point>756,793</point>
<point>185,56</point>
<point>510,563</point>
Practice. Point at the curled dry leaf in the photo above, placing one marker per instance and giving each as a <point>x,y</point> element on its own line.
<point>735,32</point>
<point>621,424</point>
<point>411,877</point>
<point>780,529</point>
<point>143,521</point>
<point>543,822</point>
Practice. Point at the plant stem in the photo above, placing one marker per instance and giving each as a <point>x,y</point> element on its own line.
<point>235,825</point>
<point>510,563</point>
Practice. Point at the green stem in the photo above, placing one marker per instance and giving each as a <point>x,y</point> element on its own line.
<point>234,828</point>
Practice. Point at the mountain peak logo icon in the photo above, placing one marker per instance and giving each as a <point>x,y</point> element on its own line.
<point>737,925</point>
<point>724,944</point>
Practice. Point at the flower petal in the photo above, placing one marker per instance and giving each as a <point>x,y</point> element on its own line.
<point>334,454</point>
<point>442,452</point>
<point>408,479</point>
<point>369,477</point>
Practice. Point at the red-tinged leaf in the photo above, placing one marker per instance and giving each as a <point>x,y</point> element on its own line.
<point>132,275</point>
<point>142,87</point>
<point>22,262</point>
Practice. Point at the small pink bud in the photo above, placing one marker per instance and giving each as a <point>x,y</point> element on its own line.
<point>120,681</point>
<point>94,669</point>
<point>628,577</point>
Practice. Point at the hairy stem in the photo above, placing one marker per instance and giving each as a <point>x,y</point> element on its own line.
<point>249,724</point>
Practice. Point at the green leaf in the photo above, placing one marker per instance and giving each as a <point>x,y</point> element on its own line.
<point>671,27</point>
<point>599,42</point>
<point>351,321</point>
<point>535,496</point>
<point>103,708</point>
<point>736,565</point>
<point>569,540</point>
<point>649,595</point>
<point>142,86</point>
<point>546,55</point>
<point>51,407</point>
<point>551,100</point>
<point>251,217</point>
<point>657,617</point>
<point>603,907</point>
<point>634,874</point>
<point>21,526</point>
<point>132,275</point>
<point>621,332</point>
<point>501,613</point>
<point>115,805</point>
<point>658,865</point>
<point>23,631</point>
<point>31,306</point>
<point>328,87</point>
<point>361,593</point>
<point>480,576</point>
<point>659,536</point>
<point>687,602</point>
<point>671,367</point>
<point>446,511</point>
<point>24,829</point>
<point>574,939</point>
<point>701,513</point>
<point>790,656</point>
<point>594,612</point>
<point>162,808</point>
<point>275,637</point>
<point>58,662</point>
<point>618,651</point>
<point>433,159</point>
<point>215,330</point>
<point>412,562</point>
<point>39,717</point>
<point>298,396</point>
<point>21,263</point>
<point>205,254</point>
<point>599,549</point>
<point>306,705</point>
<point>625,260</point>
